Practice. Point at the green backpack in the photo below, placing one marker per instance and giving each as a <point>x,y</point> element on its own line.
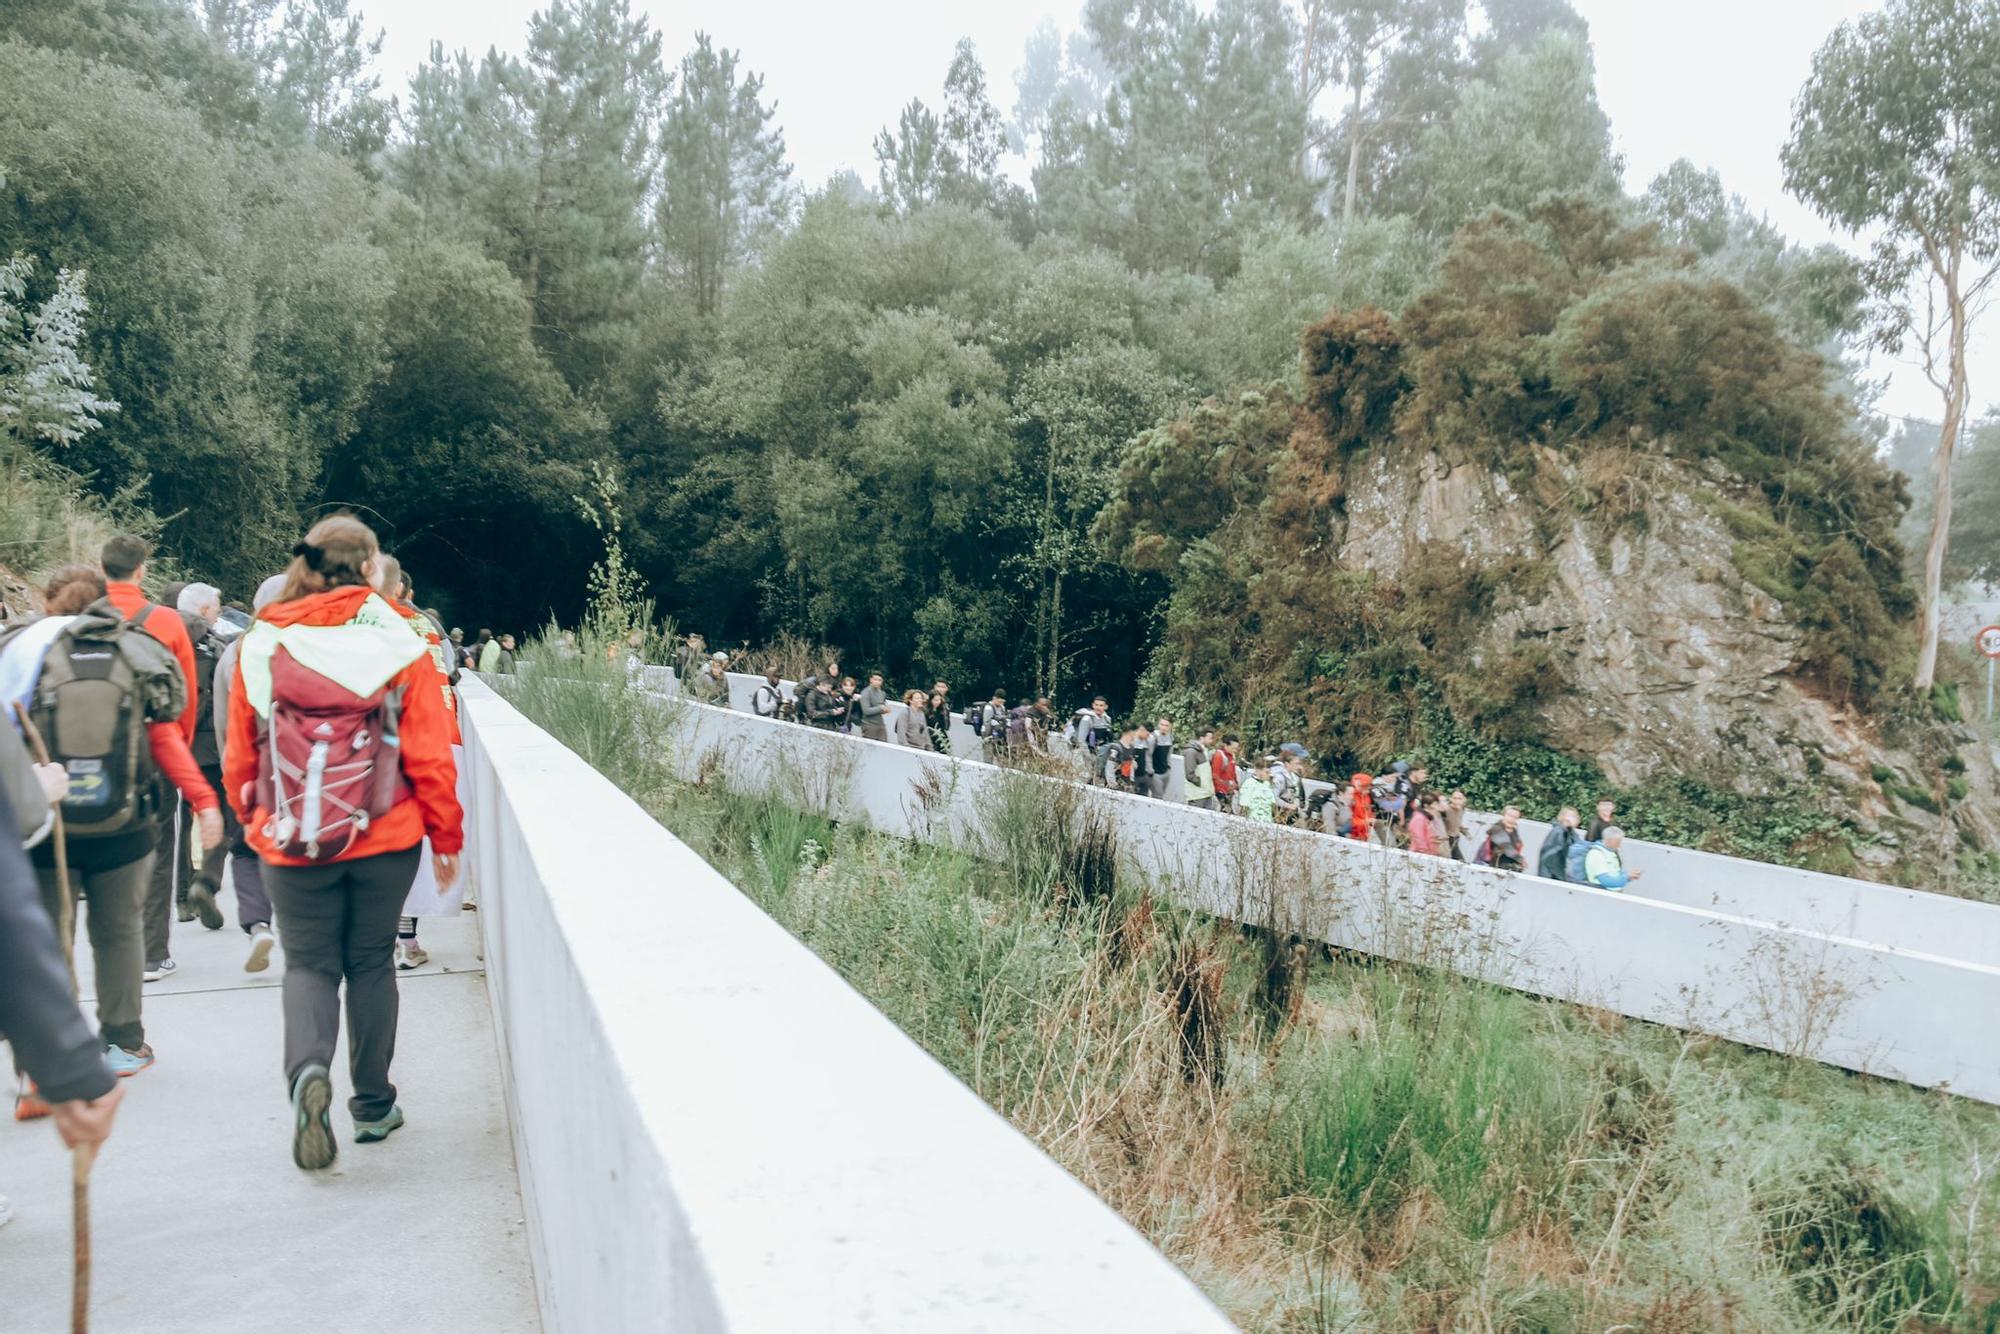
<point>91,713</point>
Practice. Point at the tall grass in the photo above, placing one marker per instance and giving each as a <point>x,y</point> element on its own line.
<point>1375,1146</point>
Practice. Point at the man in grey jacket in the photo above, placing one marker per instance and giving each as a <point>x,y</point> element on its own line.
<point>52,1041</point>
<point>874,709</point>
<point>253,904</point>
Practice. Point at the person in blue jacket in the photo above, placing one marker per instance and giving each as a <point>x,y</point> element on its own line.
<point>1602,864</point>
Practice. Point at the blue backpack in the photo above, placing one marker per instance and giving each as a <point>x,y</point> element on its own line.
<point>1573,864</point>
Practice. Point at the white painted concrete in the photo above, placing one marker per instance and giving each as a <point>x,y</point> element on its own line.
<point>1903,919</point>
<point>1894,1012</point>
<point>716,1133</point>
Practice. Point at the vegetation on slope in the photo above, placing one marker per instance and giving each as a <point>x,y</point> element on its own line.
<point>1343,1144</point>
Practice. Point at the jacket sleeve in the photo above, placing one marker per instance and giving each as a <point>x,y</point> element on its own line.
<point>176,761</point>
<point>239,750</point>
<point>427,759</point>
<point>52,1041</point>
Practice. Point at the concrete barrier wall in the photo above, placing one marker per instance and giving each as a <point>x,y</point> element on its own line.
<point>1904,919</point>
<point>1897,1013</point>
<point>715,1132</point>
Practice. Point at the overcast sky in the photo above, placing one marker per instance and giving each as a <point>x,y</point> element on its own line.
<point>1710,80</point>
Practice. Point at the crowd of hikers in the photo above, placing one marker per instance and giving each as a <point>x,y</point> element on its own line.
<point>304,748</point>
<point>1400,808</point>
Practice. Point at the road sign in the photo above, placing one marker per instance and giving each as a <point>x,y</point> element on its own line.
<point>1989,641</point>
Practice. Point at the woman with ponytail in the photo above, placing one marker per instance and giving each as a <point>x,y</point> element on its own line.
<point>338,760</point>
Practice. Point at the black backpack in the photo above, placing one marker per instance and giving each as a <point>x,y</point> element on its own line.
<point>92,715</point>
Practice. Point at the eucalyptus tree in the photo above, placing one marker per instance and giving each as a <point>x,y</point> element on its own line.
<point>1897,133</point>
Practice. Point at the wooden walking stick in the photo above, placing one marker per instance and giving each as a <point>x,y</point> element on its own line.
<point>81,1158</point>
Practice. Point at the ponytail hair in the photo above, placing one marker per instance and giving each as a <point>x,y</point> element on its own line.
<point>331,555</point>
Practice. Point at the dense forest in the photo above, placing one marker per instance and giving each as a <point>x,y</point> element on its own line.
<point>922,418</point>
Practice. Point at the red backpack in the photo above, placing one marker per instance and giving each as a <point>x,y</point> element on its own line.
<point>329,762</point>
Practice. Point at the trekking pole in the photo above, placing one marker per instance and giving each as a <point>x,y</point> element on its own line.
<point>79,1200</point>
<point>66,900</point>
<point>80,1159</point>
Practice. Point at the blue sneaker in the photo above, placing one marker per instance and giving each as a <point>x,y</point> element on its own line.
<point>313,1147</point>
<point>374,1132</point>
<point>124,1062</point>
<point>158,969</point>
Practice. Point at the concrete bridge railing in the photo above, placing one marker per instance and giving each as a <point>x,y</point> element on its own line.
<point>714,1132</point>
<point>1901,1013</point>
<point>1885,915</point>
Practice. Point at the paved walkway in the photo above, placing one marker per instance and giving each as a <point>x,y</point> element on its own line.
<point>203,1224</point>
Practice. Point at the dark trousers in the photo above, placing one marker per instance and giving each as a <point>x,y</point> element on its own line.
<point>112,899</point>
<point>253,905</point>
<point>170,873</point>
<point>339,924</point>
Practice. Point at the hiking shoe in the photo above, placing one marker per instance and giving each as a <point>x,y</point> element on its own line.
<point>125,1062</point>
<point>28,1105</point>
<point>159,968</point>
<point>202,900</point>
<point>313,1147</point>
<point>183,910</point>
<point>409,954</point>
<point>374,1132</point>
<point>261,941</point>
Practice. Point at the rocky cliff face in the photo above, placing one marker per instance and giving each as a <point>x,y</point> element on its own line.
<point>1673,661</point>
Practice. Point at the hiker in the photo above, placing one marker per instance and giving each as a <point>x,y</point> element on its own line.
<point>1257,797</point>
<point>850,705</point>
<point>1117,759</point>
<point>1502,848</point>
<point>873,704</point>
<point>123,559</point>
<point>200,607</point>
<point>1160,763</point>
<point>424,899</point>
<point>1089,730</point>
<point>1552,862</point>
<point>913,728</point>
<point>989,723</point>
<point>340,881</point>
<point>1197,772</point>
<point>1360,806</point>
<point>1606,809</point>
<point>1604,863</point>
<point>824,708</point>
<point>1138,774</point>
<point>108,699</point>
<point>1393,791</point>
<point>504,665</point>
<point>53,1044</point>
<point>1454,825</point>
<point>1041,721</point>
<point>710,685</point>
<point>1222,765</point>
<point>937,715</point>
<point>1023,729</point>
<point>1423,826</point>
<point>1288,791</point>
<point>246,873</point>
<point>768,699</point>
<point>489,654</point>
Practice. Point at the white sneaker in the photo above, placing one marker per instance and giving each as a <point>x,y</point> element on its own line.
<point>261,941</point>
<point>409,954</point>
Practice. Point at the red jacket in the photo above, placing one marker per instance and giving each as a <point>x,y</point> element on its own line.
<point>1223,765</point>
<point>1363,806</point>
<point>424,729</point>
<point>165,625</point>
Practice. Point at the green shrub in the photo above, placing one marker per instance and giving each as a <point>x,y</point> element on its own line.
<point>1945,703</point>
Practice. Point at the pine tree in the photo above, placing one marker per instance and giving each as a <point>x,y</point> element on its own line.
<point>47,389</point>
<point>724,176</point>
<point>324,76</point>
